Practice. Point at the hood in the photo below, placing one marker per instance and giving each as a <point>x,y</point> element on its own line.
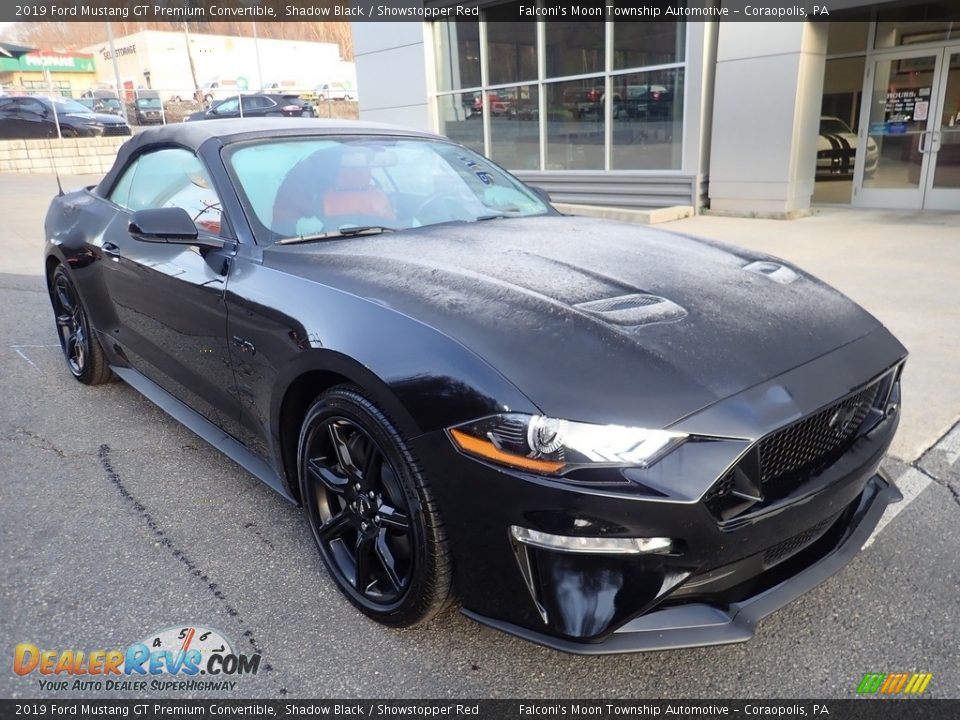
<point>102,118</point>
<point>595,320</point>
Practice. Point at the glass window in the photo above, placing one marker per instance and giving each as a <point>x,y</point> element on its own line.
<point>227,107</point>
<point>913,25</point>
<point>636,44</point>
<point>458,55</point>
<point>461,118</point>
<point>839,121</point>
<point>301,187</point>
<point>172,178</point>
<point>848,33</point>
<point>514,128</point>
<point>574,48</point>
<point>575,139</point>
<point>647,120</point>
<point>512,55</point>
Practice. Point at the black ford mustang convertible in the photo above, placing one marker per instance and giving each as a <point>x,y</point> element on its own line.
<point>598,436</point>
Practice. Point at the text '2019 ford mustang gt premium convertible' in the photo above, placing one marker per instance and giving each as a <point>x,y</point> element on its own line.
<point>598,436</point>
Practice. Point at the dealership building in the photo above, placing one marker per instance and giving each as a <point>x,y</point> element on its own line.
<point>861,109</point>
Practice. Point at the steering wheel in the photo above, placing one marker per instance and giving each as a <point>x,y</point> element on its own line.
<point>446,207</point>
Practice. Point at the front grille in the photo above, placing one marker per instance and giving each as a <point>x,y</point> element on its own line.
<point>781,462</point>
<point>791,546</point>
<point>116,130</point>
<point>815,438</point>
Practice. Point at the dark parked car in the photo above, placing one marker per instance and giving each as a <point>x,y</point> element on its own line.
<point>148,110</point>
<point>598,436</point>
<point>108,106</point>
<point>35,117</point>
<point>254,106</point>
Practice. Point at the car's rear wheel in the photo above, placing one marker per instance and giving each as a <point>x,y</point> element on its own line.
<point>81,349</point>
<point>371,510</point>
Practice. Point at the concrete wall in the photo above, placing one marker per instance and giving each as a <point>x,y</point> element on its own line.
<point>73,156</point>
<point>392,76</point>
<point>766,109</point>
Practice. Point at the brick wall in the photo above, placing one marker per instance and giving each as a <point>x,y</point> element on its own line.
<point>72,156</point>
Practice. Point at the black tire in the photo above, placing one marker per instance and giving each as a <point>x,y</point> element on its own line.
<point>81,349</point>
<point>371,510</point>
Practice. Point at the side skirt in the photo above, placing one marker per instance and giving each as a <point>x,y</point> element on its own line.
<point>194,421</point>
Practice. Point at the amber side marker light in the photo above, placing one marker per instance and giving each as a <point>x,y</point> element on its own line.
<point>486,449</point>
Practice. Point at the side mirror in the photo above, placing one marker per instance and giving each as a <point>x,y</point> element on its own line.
<point>168,225</point>
<point>541,193</point>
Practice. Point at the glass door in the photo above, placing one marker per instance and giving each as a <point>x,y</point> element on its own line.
<point>943,150</point>
<point>896,129</point>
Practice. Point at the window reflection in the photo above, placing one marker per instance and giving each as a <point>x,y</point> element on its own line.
<point>574,48</point>
<point>458,55</point>
<point>647,43</point>
<point>514,128</point>
<point>575,127</point>
<point>648,120</point>
<point>460,119</point>
<point>512,55</point>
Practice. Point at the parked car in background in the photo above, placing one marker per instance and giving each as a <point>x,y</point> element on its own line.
<point>148,110</point>
<point>643,102</point>
<point>334,91</point>
<point>221,89</point>
<point>30,116</point>
<point>837,149</point>
<point>285,87</point>
<point>102,101</point>
<point>256,105</point>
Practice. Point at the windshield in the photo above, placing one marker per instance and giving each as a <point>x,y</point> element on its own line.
<point>70,106</point>
<point>328,185</point>
<point>149,103</point>
<point>832,126</point>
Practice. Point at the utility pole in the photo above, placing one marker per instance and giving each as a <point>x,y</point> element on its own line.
<point>193,69</point>
<point>116,73</point>
<point>256,48</point>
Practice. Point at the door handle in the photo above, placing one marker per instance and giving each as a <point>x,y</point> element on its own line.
<point>923,146</point>
<point>112,250</point>
<point>935,147</point>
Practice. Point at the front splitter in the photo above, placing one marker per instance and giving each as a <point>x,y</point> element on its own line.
<point>699,624</point>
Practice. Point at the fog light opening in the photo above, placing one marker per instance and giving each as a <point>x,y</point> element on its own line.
<point>595,545</point>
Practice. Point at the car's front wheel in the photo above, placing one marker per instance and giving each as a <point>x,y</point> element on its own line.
<point>81,349</point>
<point>371,510</point>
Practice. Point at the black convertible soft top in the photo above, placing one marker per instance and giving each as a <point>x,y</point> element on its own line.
<point>192,135</point>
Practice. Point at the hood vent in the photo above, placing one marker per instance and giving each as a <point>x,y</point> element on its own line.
<point>636,309</point>
<point>773,270</point>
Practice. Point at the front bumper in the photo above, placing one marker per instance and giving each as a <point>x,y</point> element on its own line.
<point>697,624</point>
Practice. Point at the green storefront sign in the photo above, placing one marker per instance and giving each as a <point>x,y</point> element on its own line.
<point>54,63</point>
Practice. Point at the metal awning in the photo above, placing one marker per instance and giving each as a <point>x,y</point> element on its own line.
<point>14,51</point>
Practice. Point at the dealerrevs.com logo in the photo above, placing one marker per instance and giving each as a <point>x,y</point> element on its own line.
<point>178,658</point>
<point>896,683</point>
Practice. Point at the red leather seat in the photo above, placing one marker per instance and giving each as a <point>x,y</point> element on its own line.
<point>355,196</point>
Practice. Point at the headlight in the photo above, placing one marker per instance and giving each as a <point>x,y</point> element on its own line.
<point>553,447</point>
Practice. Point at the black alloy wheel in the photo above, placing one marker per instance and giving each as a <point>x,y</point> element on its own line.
<point>371,512</point>
<point>81,349</point>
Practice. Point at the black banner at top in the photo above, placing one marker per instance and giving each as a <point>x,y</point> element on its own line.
<point>147,709</point>
<point>424,10</point>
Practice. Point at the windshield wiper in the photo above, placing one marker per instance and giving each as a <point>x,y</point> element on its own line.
<point>482,218</point>
<point>351,231</point>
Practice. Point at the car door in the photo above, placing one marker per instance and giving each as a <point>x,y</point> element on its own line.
<point>226,109</point>
<point>169,298</point>
<point>9,119</point>
<point>36,120</point>
<point>255,106</point>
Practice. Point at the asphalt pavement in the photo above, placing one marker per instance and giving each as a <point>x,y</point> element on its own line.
<point>116,523</point>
